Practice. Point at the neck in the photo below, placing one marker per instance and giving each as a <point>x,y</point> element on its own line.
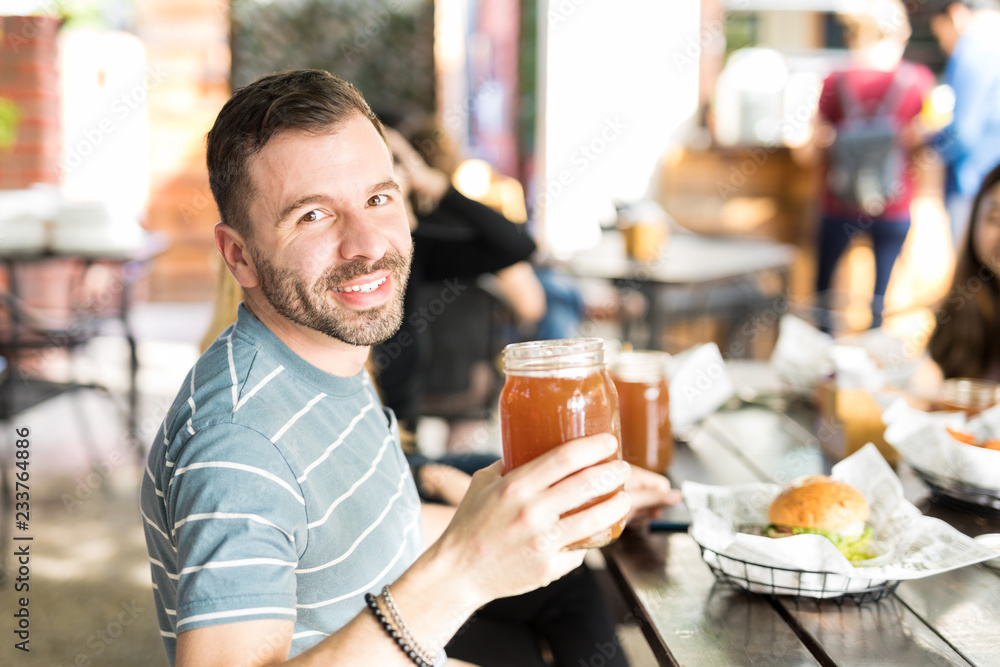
<point>325,353</point>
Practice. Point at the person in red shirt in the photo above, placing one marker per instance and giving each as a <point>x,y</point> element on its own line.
<point>876,81</point>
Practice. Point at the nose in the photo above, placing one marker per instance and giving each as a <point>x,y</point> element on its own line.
<point>363,239</point>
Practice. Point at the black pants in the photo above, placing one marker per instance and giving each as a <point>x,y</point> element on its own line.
<point>569,615</point>
<point>836,234</point>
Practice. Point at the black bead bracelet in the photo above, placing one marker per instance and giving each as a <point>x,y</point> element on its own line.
<point>393,633</point>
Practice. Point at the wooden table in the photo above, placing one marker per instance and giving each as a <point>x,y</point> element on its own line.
<point>687,276</point>
<point>947,619</point>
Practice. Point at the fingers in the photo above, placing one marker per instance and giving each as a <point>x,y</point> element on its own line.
<point>649,490</point>
<point>567,459</point>
<point>585,486</point>
<point>591,521</point>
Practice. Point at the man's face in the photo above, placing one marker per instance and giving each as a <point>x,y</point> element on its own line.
<point>331,243</point>
<point>986,226</point>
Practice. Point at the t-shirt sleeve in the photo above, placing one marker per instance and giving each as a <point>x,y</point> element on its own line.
<point>238,522</point>
<point>829,101</point>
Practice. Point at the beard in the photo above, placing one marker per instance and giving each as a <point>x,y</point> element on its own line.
<point>312,306</point>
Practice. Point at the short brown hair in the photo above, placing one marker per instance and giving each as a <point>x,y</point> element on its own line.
<point>306,100</point>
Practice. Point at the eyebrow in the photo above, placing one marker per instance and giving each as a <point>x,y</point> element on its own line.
<point>388,184</point>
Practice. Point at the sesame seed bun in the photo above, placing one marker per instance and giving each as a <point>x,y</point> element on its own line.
<point>818,502</point>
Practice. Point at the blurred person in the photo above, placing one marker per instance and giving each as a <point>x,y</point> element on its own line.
<point>970,145</point>
<point>966,338</point>
<point>878,86</point>
<point>454,240</point>
<point>276,496</point>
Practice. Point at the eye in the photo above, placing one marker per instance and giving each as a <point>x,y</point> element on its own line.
<point>378,200</point>
<point>312,216</point>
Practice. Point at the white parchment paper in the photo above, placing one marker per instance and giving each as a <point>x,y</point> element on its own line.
<point>922,440</point>
<point>908,545</point>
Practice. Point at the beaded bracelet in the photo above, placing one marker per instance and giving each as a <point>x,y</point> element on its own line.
<point>392,632</point>
<point>404,629</point>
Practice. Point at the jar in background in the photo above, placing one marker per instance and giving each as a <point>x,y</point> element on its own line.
<point>556,391</point>
<point>968,395</point>
<point>644,404</point>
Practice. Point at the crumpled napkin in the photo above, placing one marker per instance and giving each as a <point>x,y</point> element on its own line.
<point>699,385</point>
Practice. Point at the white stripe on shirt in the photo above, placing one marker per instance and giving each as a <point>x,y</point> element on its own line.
<point>296,417</point>
<point>240,466</point>
<point>232,368</point>
<point>242,562</point>
<point>260,385</point>
<point>164,568</point>
<point>256,611</point>
<point>370,584</point>
<point>155,527</point>
<point>233,515</point>
<point>357,483</point>
<point>329,450</point>
<point>190,421</point>
<point>364,533</point>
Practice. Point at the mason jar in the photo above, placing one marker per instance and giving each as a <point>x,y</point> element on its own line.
<point>556,391</point>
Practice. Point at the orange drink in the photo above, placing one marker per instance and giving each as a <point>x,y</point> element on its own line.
<point>557,391</point>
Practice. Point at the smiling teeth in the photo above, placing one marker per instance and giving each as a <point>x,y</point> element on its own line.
<point>370,287</point>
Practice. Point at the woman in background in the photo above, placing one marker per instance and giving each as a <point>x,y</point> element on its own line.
<point>966,341</point>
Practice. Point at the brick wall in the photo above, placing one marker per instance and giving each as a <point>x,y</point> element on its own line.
<point>29,78</point>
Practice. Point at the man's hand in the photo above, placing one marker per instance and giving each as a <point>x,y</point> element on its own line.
<point>650,493</point>
<point>508,533</point>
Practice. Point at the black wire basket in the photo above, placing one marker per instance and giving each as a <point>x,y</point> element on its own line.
<point>774,581</point>
<point>984,501</point>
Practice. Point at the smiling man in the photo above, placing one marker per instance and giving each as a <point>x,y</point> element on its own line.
<point>277,503</point>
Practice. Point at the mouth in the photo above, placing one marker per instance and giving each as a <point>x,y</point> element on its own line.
<point>363,287</point>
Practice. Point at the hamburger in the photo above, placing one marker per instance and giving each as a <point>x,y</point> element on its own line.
<point>819,505</point>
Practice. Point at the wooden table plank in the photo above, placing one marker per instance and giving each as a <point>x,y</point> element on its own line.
<point>877,633</point>
<point>687,619</point>
<point>963,607</point>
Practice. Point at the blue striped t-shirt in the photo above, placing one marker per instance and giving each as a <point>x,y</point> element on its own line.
<point>274,490</point>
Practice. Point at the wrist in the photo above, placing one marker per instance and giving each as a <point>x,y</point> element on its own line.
<point>436,596</point>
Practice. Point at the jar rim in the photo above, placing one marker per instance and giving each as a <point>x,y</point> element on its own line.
<point>556,354</point>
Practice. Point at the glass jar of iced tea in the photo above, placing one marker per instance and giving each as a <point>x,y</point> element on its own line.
<point>556,391</point>
<point>644,402</point>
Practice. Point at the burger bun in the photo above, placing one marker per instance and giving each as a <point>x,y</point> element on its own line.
<point>818,502</point>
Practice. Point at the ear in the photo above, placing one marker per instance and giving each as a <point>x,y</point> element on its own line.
<point>233,249</point>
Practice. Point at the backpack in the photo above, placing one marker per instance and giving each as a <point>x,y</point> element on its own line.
<point>866,160</point>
